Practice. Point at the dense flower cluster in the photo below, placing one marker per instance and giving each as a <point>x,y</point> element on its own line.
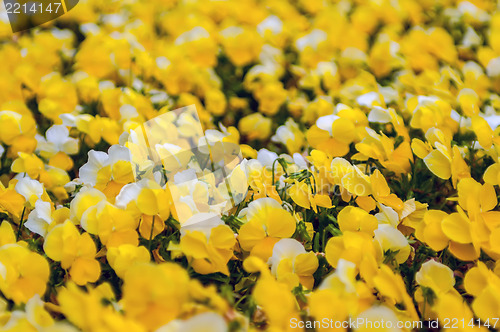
<point>368,186</point>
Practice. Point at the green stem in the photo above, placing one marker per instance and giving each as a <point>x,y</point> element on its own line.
<point>272,170</point>
<point>20,224</point>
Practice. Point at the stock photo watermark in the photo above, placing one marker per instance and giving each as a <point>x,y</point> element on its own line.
<point>202,172</point>
<point>27,14</point>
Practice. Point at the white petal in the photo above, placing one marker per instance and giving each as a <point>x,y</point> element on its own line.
<point>285,248</point>
<point>28,187</point>
<point>208,322</point>
<point>70,146</point>
<point>261,204</point>
<point>387,215</point>
<point>368,99</point>
<point>266,157</point>
<point>380,115</point>
<point>326,122</point>
<point>3,271</point>
<point>127,194</point>
<point>96,161</point>
<point>117,152</point>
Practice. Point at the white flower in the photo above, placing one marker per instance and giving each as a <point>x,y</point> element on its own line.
<point>30,189</point>
<point>260,205</point>
<point>208,322</point>
<point>313,39</point>
<point>266,157</point>
<point>379,115</point>
<point>271,23</point>
<point>285,249</point>
<point>375,315</point>
<point>286,132</point>
<point>392,239</point>
<point>493,67</point>
<point>326,122</point>
<point>202,222</point>
<point>369,99</point>
<point>98,160</point>
<point>131,191</point>
<point>387,215</point>
<point>40,218</point>
<point>57,140</point>
<point>430,269</point>
<point>194,34</point>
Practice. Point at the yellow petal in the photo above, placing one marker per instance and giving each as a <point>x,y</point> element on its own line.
<point>456,226</point>
<point>438,164</point>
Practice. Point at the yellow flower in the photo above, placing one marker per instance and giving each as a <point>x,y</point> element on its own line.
<point>301,194</point>
<point>113,225</point>
<point>255,126</point>
<point>270,97</point>
<point>471,231</point>
<point>340,295</point>
<point>125,256</point>
<point>14,125</point>
<point>7,235</point>
<point>381,148</point>
<point>154,295</point>
<point>75,251</point>
<point>435,276</point>
<point>469,102</point>
<point>100,55</point>
<point>429,112</point>
<point>291,264</point>
<point>483,284</point>
<point>51,102</point>
<point>199,46</point>
<point>23,273</point>
<point>97,128</point>
<point>475,198</point>
<point>29,164</point>
<point>242,45</point>
<point>382,193</point>
<point>444,161</point>
<point>260,178</point>
<point>458,228</point>
<point>11,201</point>
<point>355,219</point>
<point>431,232</point>
<point>105,171</point>
<point>355,180</point>
<point>265,219</point>
<point>215,102</point>
<point>350,246</point>
<point>453,307</point>
<point>332,134</point>
<point>207,243</point>
<point>267,290</point>
<point>87,309</point>
<point>82,201</point>
<point>392,286</point>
